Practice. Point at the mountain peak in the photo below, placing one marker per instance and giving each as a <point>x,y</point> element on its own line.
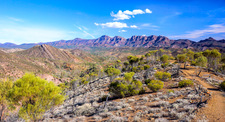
<point>210,38</point>
<point>105,36</point>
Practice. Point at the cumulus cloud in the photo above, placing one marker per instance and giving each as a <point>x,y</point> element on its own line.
<point>133,26</point>
<point>122,15</point>
<point>212,29</point>
<point>112,25</point>
<point>121,31</point>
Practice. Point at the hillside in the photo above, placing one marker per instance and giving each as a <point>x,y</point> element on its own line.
<point>49,52</point>
<point>134,41</point>
<point>46,61</point>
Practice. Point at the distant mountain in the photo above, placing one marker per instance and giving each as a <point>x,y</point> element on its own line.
<point>134,41</point>
<point>209,43</point>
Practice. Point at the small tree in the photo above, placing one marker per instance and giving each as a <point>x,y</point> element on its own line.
<point>133,59</point>
<point>197,54</point>
<point>164,59</point>
<point>215,56</point>
<point>155,85</point>
<point>190,55</point>
<point>182,59</point>
<point>201,62</point>
<point>36,96</point>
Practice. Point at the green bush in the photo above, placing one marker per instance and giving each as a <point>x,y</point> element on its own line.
<point>6,103</point>
<point>185,83</point>
<point>120,88</point>
<point>162,75</point>
<point>222,85</point>
<point>112,71</point>
<point>36,96</point>
<point>146,67</point>
<point>134,69</point>
<point>155,85</point>
<point>129,76</point>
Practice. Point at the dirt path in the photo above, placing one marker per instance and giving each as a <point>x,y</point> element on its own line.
<point>215,109</point>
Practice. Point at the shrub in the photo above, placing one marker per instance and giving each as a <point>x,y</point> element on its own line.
<point>155,85</point>
<point>162,75</point>
<point>129,76</point>
<point>164,58</point>
<point>146,67</point>
<point>222,85</point>
<point>5,98</point>
<point>120,88</point>
<point>185,83</point>
<point>36,96</point>
<point>112,71</point>
<point>134,69</point>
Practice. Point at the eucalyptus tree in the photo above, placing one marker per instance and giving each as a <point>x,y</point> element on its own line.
<point>201,62</point>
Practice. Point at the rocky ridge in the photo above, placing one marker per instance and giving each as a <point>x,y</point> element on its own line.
<point>134,41</point>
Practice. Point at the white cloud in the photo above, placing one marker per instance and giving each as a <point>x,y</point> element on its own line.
<point>133,26</point>
<point>149,25</point>
<point>122,15</point>
<point>138,11</point>
<point>121,31</point>
<point>16,19</point>
<point>85,31</point>
<point>32,34</point>
<point>148,11</point>
<point>112,25</point>
<point>212,29</point>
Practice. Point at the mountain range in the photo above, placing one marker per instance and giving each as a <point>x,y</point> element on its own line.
<point>134,41</point>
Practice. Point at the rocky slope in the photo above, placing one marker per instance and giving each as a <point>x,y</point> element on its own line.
<point>134,41</point>
<point>48,52</point>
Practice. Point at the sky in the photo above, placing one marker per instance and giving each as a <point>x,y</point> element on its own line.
<point>32,21</point>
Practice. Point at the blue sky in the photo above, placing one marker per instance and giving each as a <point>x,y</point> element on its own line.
<point>27,21</point>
